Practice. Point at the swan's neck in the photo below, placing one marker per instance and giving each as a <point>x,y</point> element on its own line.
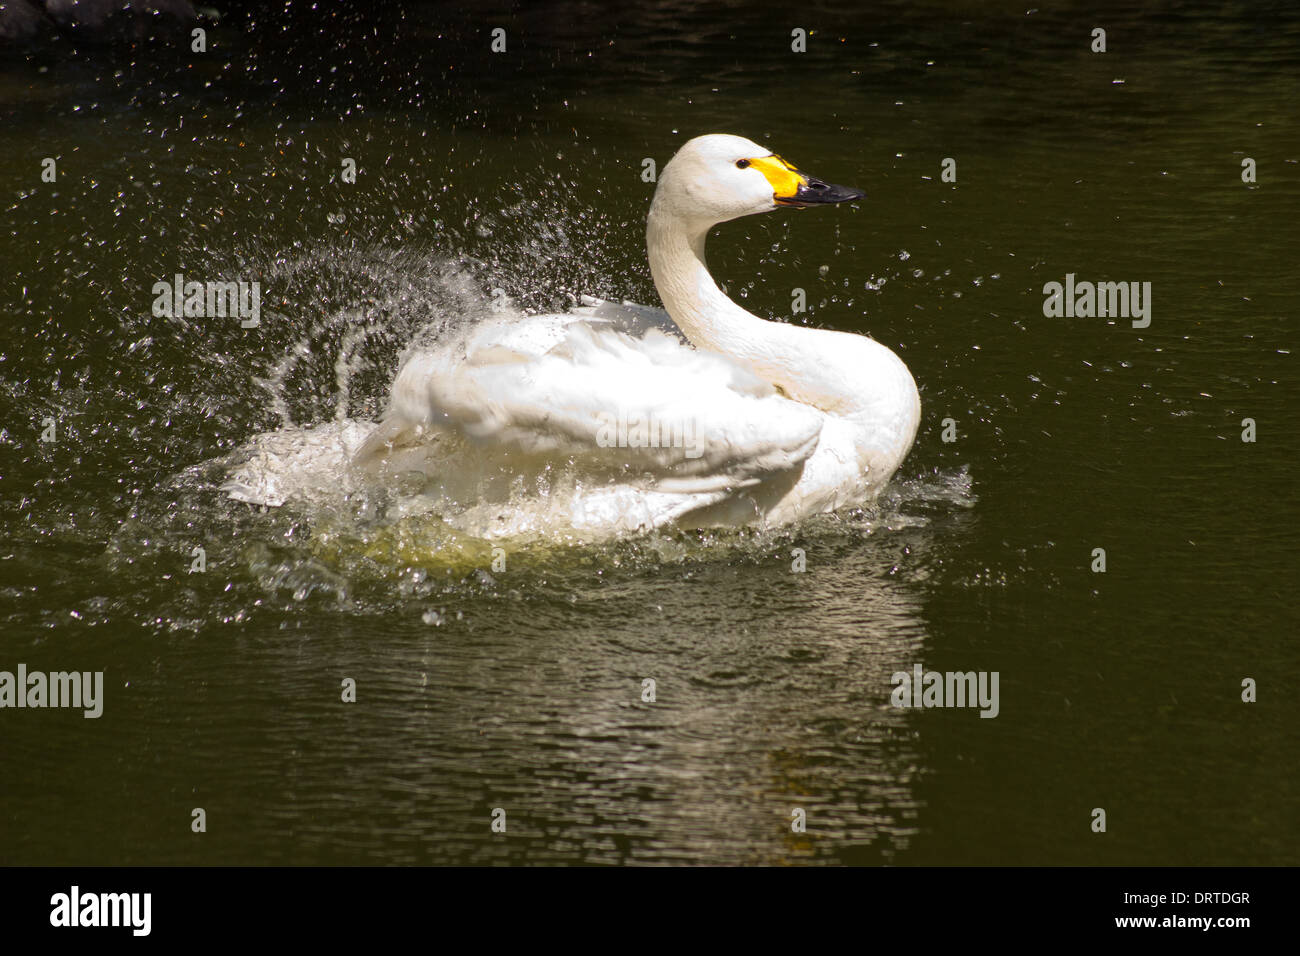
<point>846,375</point>
<point>701,310</point>
<point>808,365</point>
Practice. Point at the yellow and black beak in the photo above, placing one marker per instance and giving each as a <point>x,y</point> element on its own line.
<point>793,188</point>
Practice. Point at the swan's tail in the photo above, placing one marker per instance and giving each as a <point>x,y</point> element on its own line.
<point>382,439</point>
<point>410,419</point>
<point>392,436</point>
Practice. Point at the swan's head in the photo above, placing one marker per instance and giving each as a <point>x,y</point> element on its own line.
<point>718,177</point>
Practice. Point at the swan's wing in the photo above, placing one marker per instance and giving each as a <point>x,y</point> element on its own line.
<point>650,409</point>
<point>535,335</point>
<point>635,320</point>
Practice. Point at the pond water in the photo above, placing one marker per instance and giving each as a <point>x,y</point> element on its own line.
<point>521,688</point>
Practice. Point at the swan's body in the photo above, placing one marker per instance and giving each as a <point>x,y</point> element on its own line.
<point>758,423</point>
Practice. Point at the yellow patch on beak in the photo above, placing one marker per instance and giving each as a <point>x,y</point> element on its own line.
<point>785,179</point>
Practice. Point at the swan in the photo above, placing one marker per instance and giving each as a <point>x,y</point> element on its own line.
<point>703,415</point>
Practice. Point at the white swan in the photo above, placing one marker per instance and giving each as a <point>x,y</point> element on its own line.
<point>759,423</point>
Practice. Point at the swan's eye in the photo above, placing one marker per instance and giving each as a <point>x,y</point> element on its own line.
<point>742,163</point>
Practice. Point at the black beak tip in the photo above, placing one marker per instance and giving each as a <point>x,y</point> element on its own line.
<point>818,193</point>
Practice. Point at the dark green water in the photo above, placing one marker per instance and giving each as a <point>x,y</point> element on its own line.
<point>522,689</point>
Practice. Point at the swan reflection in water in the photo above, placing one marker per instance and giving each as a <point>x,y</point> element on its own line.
<point>538,705</point>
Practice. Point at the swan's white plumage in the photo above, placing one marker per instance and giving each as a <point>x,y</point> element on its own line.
<point>550,387</point>
<point>506,419</point>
